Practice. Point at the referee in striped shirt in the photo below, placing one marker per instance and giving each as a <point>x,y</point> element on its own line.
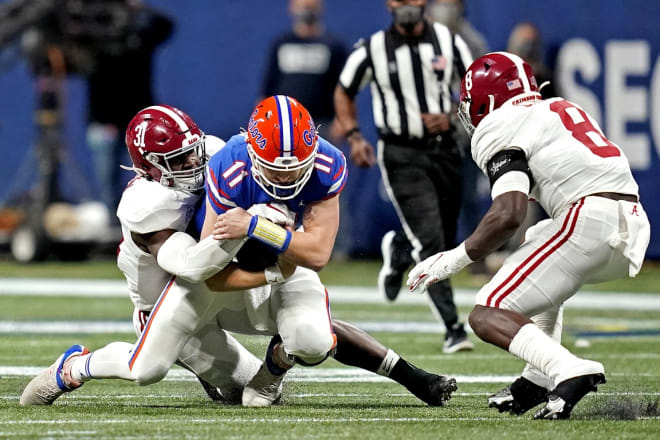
<point>410,67</point>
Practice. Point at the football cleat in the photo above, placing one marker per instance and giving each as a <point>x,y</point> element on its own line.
<point>54,381</point>
<point>456,339</point>
<point>438,391</point>
<point>567,394</point>
<point>518,398</point>
<point>264,389</point>
<point>222,397</point>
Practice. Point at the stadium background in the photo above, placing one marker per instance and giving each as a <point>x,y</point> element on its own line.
<point>606,54</point>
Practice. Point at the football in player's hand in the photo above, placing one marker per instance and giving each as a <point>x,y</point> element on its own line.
<point>255,256</point>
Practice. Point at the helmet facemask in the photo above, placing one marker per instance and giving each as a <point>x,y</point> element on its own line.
<point>282,191</point>
<point>464,115</point>
<point>170,163</point>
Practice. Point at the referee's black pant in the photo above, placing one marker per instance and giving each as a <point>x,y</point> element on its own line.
<point>425,186</point>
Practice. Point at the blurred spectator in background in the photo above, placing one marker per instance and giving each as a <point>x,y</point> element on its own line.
<point>118,87</point>
<point>411,66</point>
<point>525,41</point>
<point>451,13</point>
<point>305,63</point>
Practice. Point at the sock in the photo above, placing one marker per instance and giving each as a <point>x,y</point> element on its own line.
<point>541,351</point>
<point>388,363</point>
<point>110,361</point>
<point>279,357</point>
<point>408,375</point>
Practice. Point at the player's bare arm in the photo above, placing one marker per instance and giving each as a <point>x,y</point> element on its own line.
<point>310,248</point>
<point>233,278</point>
<point>502,220</point>
<point>313,247</point>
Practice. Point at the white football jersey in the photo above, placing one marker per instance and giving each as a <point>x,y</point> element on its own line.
<point>147,206</point>
<point>568,154</point>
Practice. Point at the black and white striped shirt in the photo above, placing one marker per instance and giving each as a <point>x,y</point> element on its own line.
<point>408,76</point>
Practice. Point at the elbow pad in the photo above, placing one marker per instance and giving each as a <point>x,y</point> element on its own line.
<point>182,256</point>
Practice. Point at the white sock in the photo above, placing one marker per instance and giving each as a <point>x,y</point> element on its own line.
<point>390,360</point>
<point>542,352</point>
<point>108,362</point>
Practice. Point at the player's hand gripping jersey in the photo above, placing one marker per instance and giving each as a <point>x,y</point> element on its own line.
<point>567,154</point>
<point>229,182</point>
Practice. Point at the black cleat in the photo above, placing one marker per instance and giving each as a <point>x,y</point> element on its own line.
<point>567,394</point>
<point>396,259</point>
<point>215,394</point>
<point>437,390</point>
<point>518,398</point>
<point>456,339</point>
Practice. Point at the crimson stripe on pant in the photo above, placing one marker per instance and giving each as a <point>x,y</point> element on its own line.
<point>575,208</point>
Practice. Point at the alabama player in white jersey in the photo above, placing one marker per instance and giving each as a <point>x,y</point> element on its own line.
<point>167,149</point>
<point>554,152</point>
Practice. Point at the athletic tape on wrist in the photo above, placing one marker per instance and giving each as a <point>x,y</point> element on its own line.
<point>269,233</point>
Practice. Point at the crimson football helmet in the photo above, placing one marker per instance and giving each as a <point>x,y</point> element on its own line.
<point>160,139</point>
<point>492,81</point>
<point>282,144</point>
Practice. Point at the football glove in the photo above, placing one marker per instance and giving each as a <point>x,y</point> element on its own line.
<point>437,267</point>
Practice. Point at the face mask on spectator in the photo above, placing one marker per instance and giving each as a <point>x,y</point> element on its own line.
<point>408,16</point>
<point>307,16</point>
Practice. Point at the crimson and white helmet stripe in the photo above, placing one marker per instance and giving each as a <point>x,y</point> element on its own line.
<point>521,70</point>
<point>183,127</point>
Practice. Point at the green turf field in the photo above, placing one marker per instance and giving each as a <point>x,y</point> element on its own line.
<point>347,406</point>
<point>350,272</point>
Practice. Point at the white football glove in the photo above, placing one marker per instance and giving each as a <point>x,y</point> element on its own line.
<point>437,267</point>
<point>277,213</point>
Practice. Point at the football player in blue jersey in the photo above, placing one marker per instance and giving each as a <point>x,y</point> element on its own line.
<point>281,165</point>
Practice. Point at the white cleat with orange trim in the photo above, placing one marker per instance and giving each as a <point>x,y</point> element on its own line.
<point>54,381</point>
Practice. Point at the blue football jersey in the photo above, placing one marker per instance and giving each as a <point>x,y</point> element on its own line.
<point>229,181</point>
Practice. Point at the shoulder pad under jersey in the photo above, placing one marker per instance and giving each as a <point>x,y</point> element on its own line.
<point>147,206</point>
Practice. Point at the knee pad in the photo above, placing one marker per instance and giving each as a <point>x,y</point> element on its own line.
<point>309,344</point>
<point>308,363</point>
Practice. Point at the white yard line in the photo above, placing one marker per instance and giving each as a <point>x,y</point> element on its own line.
<point>339,294</point>
<point>295,375</point>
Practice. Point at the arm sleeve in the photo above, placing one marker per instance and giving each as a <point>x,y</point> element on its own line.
<point>508,171</point>
<point>357,71</point>
<point>182,256</point>
<point>511,181</point>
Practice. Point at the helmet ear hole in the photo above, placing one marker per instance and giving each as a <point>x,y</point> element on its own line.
<point>482,110</point>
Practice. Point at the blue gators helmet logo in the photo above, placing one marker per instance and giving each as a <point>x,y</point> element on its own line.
<point>254,132</point>
<point>310,134</point>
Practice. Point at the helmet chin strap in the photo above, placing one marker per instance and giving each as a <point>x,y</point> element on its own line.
<point>491,98</point>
